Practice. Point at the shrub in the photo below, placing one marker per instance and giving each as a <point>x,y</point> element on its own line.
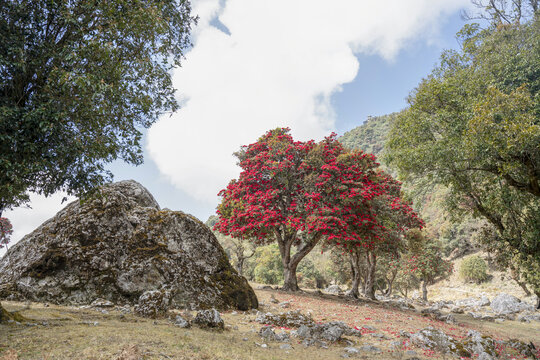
<point>474,268</point>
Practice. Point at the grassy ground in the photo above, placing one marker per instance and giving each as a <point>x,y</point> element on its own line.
<point>74,333</point>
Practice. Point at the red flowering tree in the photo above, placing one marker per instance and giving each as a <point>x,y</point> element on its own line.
<point>267,203</point>
<point>374,217</point>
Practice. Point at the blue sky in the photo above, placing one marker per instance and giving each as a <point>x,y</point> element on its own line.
<point>292,63</point>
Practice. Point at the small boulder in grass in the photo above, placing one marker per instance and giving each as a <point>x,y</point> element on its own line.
<point>209,319</point>
<point>153,304</point>
<point>181,322</point>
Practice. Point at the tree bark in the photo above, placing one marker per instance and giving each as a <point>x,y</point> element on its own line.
<point>515,276</point>
<point>424,290</point>
<point>290,263</point>
<point>240,266</point>
<point>354,259</point>
<point>537,300</point>
<point>370,278</point>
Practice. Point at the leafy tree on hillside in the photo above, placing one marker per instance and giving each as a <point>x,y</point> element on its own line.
<point>78,79</point>
<point>473,126</point>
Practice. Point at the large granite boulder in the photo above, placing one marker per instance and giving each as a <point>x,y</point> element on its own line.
<point>117,245</point>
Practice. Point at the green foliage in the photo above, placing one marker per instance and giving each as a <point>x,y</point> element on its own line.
<point>269,268</point>
<point>370,136</point>
<point>474,268</point>
<point>424,258</point>
<point>472,127</point>
<point>78,79</point>
<point>308,274</point>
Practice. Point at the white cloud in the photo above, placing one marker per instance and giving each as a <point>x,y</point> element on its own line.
<point>279,66</point>
<point>26,219</point>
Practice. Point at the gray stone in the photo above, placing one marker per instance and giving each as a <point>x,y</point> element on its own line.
<point>285,305</point>
<point>285,346</point>
<point>282,336</point>
<point>153,304</point>
<point>181,322</point>
<point>115,246</point>
<point>509,304</point>
<point>434,339</point>
<point>267,332</point>
<point>209,319</point>
<point>334,289</point>
<point>351,350</point>
<point>473,302</point>
<point>101,303</point>
<point>331,331</point>
<point>291,319</point>
<point>370,348</point>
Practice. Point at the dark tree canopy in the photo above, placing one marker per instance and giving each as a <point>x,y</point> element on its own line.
<point>78,79</point>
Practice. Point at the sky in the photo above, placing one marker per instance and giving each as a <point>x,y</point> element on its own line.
<point>311,65</point>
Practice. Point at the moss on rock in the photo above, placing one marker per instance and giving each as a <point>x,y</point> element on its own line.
<point>118,245</point>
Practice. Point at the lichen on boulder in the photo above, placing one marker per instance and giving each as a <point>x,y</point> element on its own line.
<point>117,245</point>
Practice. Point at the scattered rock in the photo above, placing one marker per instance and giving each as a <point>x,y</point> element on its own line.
<point>120,243</point>
<point>352,350</point>
<point>291,319</point>
<point>153,304</point>
<point>331,331</point>
<point>434,339</point>
<point>528,317</point>
<point>370,348</point>
<point>483,346</point>
<point>209,319</point>
<point>285,304</point>
<point>457,310</point>
<point>285,347</point>
<point>508,304</point>
<point>473,302</point>
<point>101,303</point>
<point>334,289</point>
<point>181,322</point>
<point>268,333</point>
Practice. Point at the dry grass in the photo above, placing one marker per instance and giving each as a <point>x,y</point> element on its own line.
<point>71,333</point>
<point>454,288</point>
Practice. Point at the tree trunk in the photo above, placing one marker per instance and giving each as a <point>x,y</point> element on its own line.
<point>370,278</point>
<point>290,263</point>
<point>537,300</point>
<point>354,260</point>
<point>240,266</point>
<point>290,283</point>
<point>424,290</point>
<point>515,275</point>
